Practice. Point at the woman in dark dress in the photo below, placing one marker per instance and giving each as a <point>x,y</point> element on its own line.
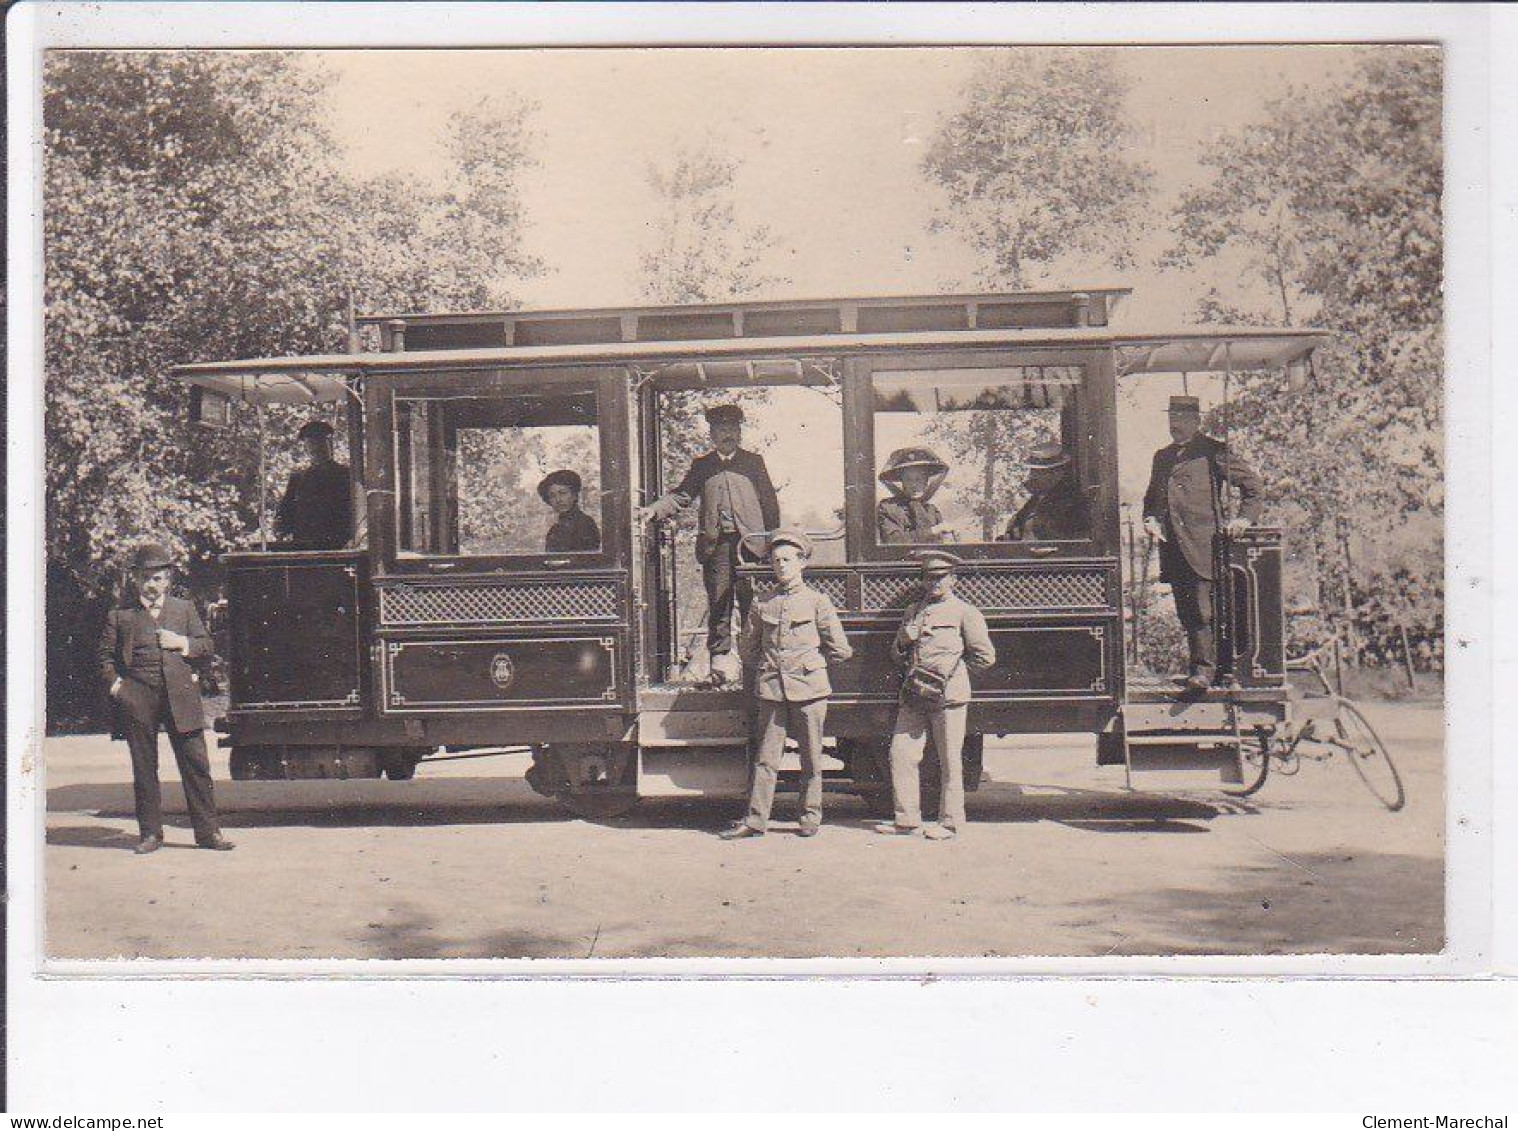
<point>573,530</point>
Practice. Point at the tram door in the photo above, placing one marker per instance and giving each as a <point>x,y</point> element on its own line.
<point>504,580</point>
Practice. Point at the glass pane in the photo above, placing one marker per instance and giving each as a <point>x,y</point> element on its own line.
<point>962,453</point>
<point>499,475</point>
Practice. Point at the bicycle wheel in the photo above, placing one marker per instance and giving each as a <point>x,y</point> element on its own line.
<point>1369,756</point>
<point>1256,768</point>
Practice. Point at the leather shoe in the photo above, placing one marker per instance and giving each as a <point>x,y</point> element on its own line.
<point>1197,683</point>
<point>739,832</point>
<point>217,843</point>
<point>808,830</point>
<point>148,844</point>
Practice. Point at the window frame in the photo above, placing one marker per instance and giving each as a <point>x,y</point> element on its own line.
<point>509,381</point>
<point>1092,463</point>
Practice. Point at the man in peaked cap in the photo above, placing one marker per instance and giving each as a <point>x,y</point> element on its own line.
<point>1057,509</point>
<point>789,639</point>
<point>145,655</point>
<point>907,517</point>
<point>737,499</point>
<point>573,530</point>
<point>316,512</point>
<point>1183,508</point>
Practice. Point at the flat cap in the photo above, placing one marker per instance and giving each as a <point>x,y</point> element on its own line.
<point>791,536</point>
<point>938,561</point>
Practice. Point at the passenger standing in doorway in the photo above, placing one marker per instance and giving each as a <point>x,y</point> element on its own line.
<point>1183,509</point>
<point>316,512</point>
<point>940,641</point>
<point>145,655</point>
<point>789,639</point>
<point>737,499</point>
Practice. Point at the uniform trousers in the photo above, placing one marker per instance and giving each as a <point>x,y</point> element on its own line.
<point>803,722</point>
<point>908,741</point>
<point>724,588</point>
<point>194,771</point>
<point>1194,607</point>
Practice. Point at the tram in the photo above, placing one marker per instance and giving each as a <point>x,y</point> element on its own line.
<point>446,625</point>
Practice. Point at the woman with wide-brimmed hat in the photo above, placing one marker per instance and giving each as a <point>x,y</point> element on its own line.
<point>907,517</point>
<point>573,530</point>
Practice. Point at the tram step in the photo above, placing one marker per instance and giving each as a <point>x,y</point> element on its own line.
<point>692,728</point>
<point>1181,762</point>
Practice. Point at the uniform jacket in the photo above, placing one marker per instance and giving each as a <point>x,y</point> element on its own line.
<point>129,651</point>
<point>1185,493</point>
<point>939,635</point>
<point>316,512</point>
<point>788,641</point>
<point>902,521</point>
<point>1061,514</point>
<point>572,532</point>
<point>737,497</point>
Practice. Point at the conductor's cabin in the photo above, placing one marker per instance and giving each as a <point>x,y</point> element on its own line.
<point>453,621</point>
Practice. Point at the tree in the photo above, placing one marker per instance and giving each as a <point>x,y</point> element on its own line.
<point>193,212</point>
<point>1033,165</point>
<point>1329,209</point>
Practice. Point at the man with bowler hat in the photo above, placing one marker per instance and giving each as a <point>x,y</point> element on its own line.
<point>145,654</point>
<point>316,512</point>
<point>1183,509</point>
<point>1057,509</point>
<point>737,500</point>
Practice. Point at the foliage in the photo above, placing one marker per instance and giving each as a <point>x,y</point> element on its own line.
<point>1328,210</point>
<point>1032,164</point>
<point>193,212</point>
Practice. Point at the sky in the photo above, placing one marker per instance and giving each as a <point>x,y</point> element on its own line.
<point>831,141</point>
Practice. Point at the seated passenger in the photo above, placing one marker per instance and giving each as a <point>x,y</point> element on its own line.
<point>574,530</point>
<point>1057,509</point>
<point>907,518</point>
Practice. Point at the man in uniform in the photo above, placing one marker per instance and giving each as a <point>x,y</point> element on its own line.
<point>737,500</point>
<point>1057,509</point>
<point>144,663</point>
<point>1183,509</point>
<point>316,512</point>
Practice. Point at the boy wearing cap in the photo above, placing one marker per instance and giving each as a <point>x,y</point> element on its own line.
<point>144,663</point>
<point>316,512</point>
<point>1057,509</point>
<point>789,638</point>
<point>907,517</point>
<point>737,498</point>
<point>573,531</point>
<point>945,638</point>
<point>1183,509</point>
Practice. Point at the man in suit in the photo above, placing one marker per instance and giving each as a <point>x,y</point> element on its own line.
<point>1183,508</point>
<point>1057,509</point>
<point>145,655</point>
<point>316,512</point>
<point>737,500</point>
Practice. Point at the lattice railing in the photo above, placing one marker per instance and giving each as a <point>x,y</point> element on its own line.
<point>986,589</point>
<point>402,605</point>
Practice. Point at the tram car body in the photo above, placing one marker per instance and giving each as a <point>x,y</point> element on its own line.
<point>449,625</point>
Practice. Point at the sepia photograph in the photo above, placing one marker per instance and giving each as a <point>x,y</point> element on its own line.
<point>743,503</point>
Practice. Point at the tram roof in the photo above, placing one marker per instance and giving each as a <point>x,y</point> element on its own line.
<point>318,378</point>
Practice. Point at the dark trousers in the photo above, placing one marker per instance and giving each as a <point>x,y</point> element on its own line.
<point>1194,605</point>
<point>723,588</point>
<point>194,771</point>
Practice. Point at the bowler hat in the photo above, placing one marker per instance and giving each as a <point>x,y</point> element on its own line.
<point>1047,456</point>
<point>1186,404</point>
<point>568,478</point>
<point>791,536</point>
<point>724,414</point>
<point>903,458</point>
<point>318,429</point>
<point>938,561</point>
<point>151,555</point>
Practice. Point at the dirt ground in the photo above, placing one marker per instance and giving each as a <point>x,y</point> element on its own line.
<point>465,861</point>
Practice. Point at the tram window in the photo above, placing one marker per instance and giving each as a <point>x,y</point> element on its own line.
<point>469,469</point>
<point>983,426</point>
